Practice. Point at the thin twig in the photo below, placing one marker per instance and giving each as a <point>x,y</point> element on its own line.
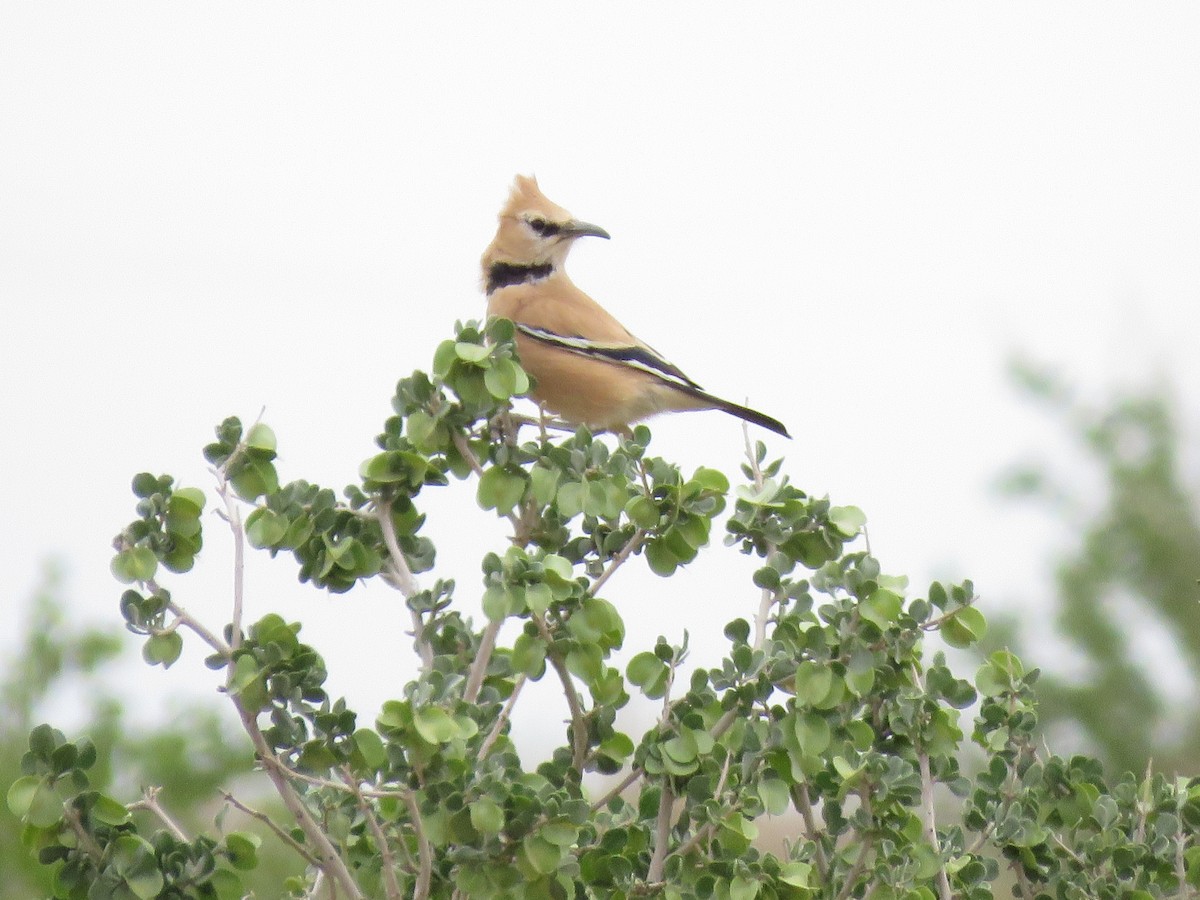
<point>702,834</point>
<point>633,775</point>
<point>270,823</point>
<point>86,841</point>
<point>1023,885</point>
<point>326,854</point>
<point>579,740</point>
<point>630,548</point>
<point>185,618</point>
<point>233,516</point>
<point>150,804</point>
<point>498,725</point>
<point>768,598</point>
<point>943,881</point>
<point>662,834</point>
<point>424,850</point>
<point>804,805</point>
<point>401,577</point>
<point>483,656</point>
<point>387,861</point>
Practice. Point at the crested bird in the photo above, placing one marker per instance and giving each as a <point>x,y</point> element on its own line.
<point>587,367</point>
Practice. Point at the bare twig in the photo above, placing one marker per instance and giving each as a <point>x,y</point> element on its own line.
<point>327,857</point>
<point>943,881</point>
<point>1023,885</point>
<point>804,805</point>
<point>483,656</point>
<point>662,834</point>
<point>498,725</point>
<point>578,726</point>
<point>187,620</point>
<point>630,548</point>
<point>387,861</point>
<point>233,516</point>
<point>630,777</point>
<point>701,834</point>
<point>86,841</point>
<point>270,823</point>
<point>150,804</point>
<point>768,598</point>
<point>424,850</point>
<point>401,577</point>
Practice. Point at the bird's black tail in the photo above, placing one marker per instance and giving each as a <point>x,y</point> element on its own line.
<point>742,412</point>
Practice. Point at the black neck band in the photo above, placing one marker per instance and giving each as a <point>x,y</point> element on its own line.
<point>505,274</point>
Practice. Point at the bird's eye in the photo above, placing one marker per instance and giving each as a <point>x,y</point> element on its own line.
<point>542,227</point>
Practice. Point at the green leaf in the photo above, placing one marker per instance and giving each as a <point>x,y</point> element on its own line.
<point>134,564</point>
<point>813,681</point>
<point>642,511</point>
<point>661,559</point>
<point>812,734</point>
<point>261,437</point>
<point>242,847</point>
<point>21,794</point>
<point>163,649</point>
<point>796,874</point>
<point>265,528</point>
<point>881,608</point>
<point>542,855</point>
<point>370,746</point>
<point>849,520</point>
<point>964,628</point>
<point>109,811</point>
<point>471,353</point>
<point>529,655</point>
<point>501,488</point>
<point>486,816</point>
<point>435,725</point>
<point>711,480</point>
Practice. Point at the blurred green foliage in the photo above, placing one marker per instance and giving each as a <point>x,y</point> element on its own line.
<point>191,757</point>
<point>1132,568</point>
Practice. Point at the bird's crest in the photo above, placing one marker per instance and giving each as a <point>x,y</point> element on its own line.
<point>527,198</point>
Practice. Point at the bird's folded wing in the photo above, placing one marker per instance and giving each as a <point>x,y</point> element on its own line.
<point>633,356</point>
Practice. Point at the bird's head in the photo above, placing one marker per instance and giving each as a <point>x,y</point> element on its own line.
<point>534,231</point>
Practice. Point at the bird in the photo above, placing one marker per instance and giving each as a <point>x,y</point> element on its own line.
<point>587,367</point>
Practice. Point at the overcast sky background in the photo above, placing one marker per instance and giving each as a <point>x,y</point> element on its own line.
<point>851,214</point>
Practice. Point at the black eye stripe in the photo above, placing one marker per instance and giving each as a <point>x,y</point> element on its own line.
<point>544,228</point>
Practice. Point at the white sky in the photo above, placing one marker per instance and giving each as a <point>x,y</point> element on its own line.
<point>851,214</point>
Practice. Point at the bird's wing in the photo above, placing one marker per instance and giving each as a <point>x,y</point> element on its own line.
<point>622,353</point>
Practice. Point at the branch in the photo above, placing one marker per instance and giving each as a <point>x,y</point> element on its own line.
<point>270,823</point>
<point>630,548</point>
<point>483,656</point>
<point>634,774</point>
<point>424,850</point>
<point>86,841</point>
<point>804,804</point>
<point>400,577</point>
<point>662,834</point>
<point>233,516</point>
<point>150,804</point>
<point>186,619</point>
<point>578,727</point>
<point>386,859</point>
<point>327,856</point>
<point>497,727</point>
<point>768,598</point>
<point>943,881</point>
